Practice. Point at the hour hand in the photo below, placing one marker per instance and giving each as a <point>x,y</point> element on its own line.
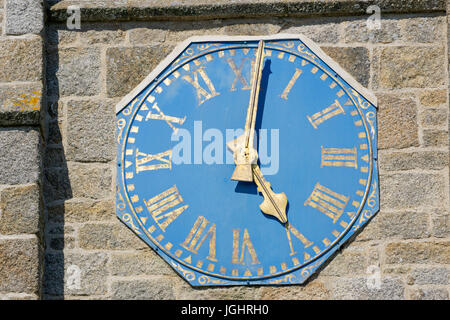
<point>274,204</point>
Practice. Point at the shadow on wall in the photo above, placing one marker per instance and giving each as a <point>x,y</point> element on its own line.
<point>56,184</point>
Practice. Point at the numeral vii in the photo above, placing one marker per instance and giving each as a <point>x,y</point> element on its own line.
<point>196,237</point>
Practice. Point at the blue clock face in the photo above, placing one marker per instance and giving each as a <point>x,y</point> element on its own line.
<point>315,138</point>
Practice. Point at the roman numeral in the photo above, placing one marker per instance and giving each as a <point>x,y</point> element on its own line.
<point>196,237</point>
<point>291,83</point>
<point>164,159</point>
<point>339,157</point>
<point>290,229</point>
<point>159,115</point>
<point>160,207</point>
<point>246,244</point>
<point>326,114</point>
<point>202,93</point>
<point>327,201</point>
<point>238,73</point>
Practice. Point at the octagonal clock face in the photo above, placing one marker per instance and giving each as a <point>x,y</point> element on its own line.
<point>315,138</point>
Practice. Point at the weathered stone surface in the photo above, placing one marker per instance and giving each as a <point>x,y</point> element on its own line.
<point>82,210</point>
<point>314,290</point>
<point>429,294</point>
<point>143,289</point>
<point>19,265</point>
<point>347,262</point>
<point>391,288</point>
<point>430,160</point>
<point>401,225</point>
<point>19,207</point>
<point>108,236</point>
<point>418,252</point>
<point>423,29</point>
<point>264,28</point>
<point>21,59</point>
<point>423,276</point>
<point>317,30</point>
<point>440,225</point>
<point>186,292</point>
<point>76,273</point>
<point>354,60</point>
<point>90,130</point>
<point>20,104</point>
<point>181,31</point>
<point>433,117</point>
<point>99,33</point>
<point>90,181</point>
<point>144,262</point>
<point>411,67</point>
<point>58,34</point>
<point>358,31</point>
<point>74,71</point>
<point>413,190</point>
<point>127,67</point>
<point>397,122</point>
<point>19,159</point>
<point>150,33</point>
<point>435,138</point>
<point>56,185</point>
<point>24,16</point>
<point>431,98</point>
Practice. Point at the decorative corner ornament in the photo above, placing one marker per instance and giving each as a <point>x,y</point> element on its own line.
<point>302,156</point>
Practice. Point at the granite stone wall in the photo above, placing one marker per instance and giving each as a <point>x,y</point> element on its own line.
<point>87,253</point>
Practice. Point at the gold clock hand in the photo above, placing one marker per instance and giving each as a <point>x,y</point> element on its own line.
<point>274,204</point>
<point>243,170</point>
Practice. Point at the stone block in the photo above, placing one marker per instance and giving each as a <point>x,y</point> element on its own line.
<point>143,289</point>
<point>433,117</point>
<point>421,276</point>
<point>127,67</point>
<point>19,207</point>
<point>354,60</point>
<point>19,265</point>
<point>148,34</point>
<point>141,263</point>
<point>423,29</point>
<point>19,159</point>
<point>74,71</point>
<point>21,59</point>
<point>429,294</point>
<point>111,236</point>
<point>24,16</point>
<point>435,138</point>
<point>418,252</point>
<point>318,30</point>
<point>413,191</point>
<point>82,210</point>
<point>314,290</point>
<point>397,122</point>
<point>90,130</point>
<point>428,160</point>
<point>433,98</point>
<point>74,273</point>
<point>362,288</point>
<point>20,104</point>
<point>92,181</point>
<point>358,31</point>
<point>411,67</point>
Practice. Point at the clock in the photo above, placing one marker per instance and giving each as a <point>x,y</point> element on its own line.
<point>247,160</point>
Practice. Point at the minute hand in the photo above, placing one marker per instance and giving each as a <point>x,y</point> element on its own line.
<point>243,171</point>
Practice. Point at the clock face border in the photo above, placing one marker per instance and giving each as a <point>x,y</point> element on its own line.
<point>130,104</point>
